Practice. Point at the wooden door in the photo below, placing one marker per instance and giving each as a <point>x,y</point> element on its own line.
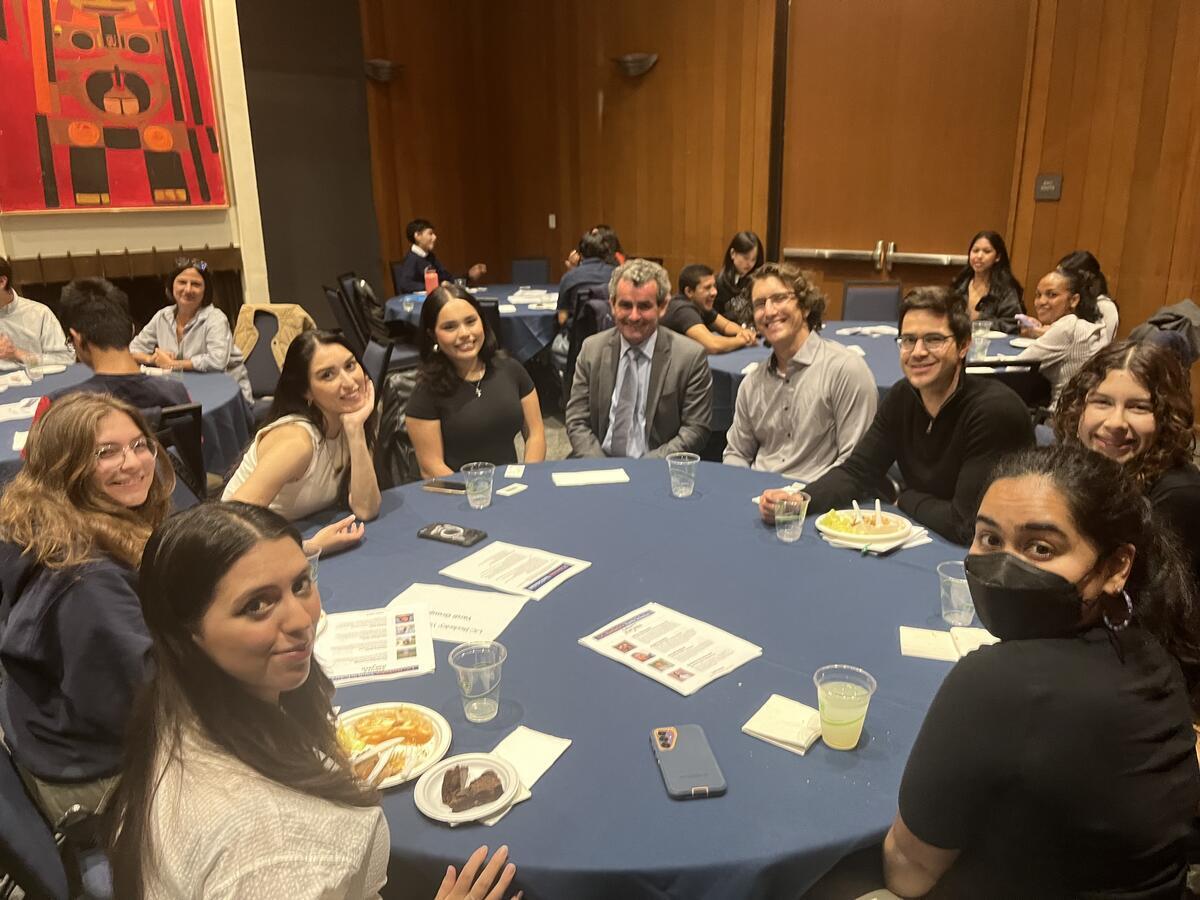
<point>903,124</point>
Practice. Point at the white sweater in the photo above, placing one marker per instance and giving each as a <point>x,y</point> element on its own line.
<point>221,830</point>
<point>31,326</point>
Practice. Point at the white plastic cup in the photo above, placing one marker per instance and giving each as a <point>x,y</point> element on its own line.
<point>957,606</point>
<point>790,513</point>
<point>843,695</point>
<point>478,476</point>
<point>682,467</point>
<point>478,667</point>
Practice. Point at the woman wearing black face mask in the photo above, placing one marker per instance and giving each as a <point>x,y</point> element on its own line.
<point>1060,762</point>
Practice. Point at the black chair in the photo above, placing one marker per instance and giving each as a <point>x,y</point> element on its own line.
<point>180,430</point>
<point>1022,376</point>
<point>361,297</point>
<point>29,853</point>
<point>531,271</point>
<point>593,314</point>
<point>346,321</point>
<point>871,301</point>
<point>375,362</point>
<point>395,266</point>
<point>491,315</point>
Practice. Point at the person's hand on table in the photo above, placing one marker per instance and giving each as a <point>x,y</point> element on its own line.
<point>341,535</point>
<point>164,359</point>
<point>465,886</point>
<point>1033,331</point>
<point>748,336</point>
<point>767,501</point>
<point>476,271</point>
<point>8,350</point>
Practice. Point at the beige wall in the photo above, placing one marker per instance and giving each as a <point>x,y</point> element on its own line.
<point>25,236</point>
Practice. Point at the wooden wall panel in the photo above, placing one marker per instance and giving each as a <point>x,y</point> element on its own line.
<point>524,114</point>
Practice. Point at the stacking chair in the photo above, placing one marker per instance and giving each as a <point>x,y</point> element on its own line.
<point>405,354</point>
<point>395,266</point>
<point>531,271</point>
<point>29,854</point>
<point>491,315</point>
<point>1024,377</point>
<point>347,324</point>
<point>180,430</point>
<point>593,314</point>
<point>375,361</point>
<point>871,301</point>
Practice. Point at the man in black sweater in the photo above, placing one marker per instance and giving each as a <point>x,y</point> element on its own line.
<point>945,429</point>
<point>410,276</point>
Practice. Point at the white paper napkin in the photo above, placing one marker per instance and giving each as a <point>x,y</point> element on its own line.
<point>506,308</point>
<point>511,490</point>
<point>531,753</point>
<point>872,330</point>
<point>19,439</point>
<point>19,409</point>
<point>16,378</point>
<point>515,471</point>
<point>590,476</point>
<point>915,538</point>
<point>785,723</point>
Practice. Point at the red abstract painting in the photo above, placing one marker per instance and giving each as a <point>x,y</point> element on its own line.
<point>107,104</point>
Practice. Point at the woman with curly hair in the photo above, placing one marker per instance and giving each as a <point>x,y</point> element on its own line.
<point>1131,402</point>
<point>73,524</point>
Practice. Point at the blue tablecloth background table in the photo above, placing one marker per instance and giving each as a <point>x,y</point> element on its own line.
<point>226,417</point>
<point>600,824</point>
<point>522,333</point>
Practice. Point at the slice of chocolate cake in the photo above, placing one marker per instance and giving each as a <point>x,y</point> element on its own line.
<point>452,784</point>
<point>484,789</point>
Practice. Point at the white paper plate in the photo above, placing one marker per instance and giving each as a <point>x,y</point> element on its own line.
<point>422,756</point>
<point>996,335</point>
<point>1021,343</point>
<point>902,529</point>
<point>51,369</point>
<point>428,792</point>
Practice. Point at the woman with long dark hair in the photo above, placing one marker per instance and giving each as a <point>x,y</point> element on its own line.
<point>987,283</point>
<point>471,399</point>
<point>1061,761</point>
<point>317,442</point>
<point>1084,262</point>
<point>743,256</point>
<point>1132,403</point>
<point>234,783</point>
<point>73,646</point>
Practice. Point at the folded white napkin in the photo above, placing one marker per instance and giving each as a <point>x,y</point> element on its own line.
<point>510,490</point>
<point>915,538</point>
<point>16,378</point>
<point>872,330</point>
<point>531,753</point>
<point>947,646</point>
<point>590,476</point>
<point>19,439</point>
<point>506,308</point>
<point>514,471</point>
<point>19,409</point>
<point>785,723</point>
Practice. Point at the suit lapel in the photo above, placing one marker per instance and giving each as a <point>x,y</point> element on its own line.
<point>609,360</point>
<point>658,372</point>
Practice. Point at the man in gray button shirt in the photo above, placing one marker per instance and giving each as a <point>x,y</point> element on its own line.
<point>801,412</point>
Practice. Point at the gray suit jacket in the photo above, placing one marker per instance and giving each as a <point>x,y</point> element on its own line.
<point>678,399</point>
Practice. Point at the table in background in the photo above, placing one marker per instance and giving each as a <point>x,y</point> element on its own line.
<point>600,824</point>
<point>522,333</point>
<point>226,417</point>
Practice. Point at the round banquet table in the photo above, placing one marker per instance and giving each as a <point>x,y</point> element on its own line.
<point>225,415</point>
<point>523,333</point>
<point>599,823</point>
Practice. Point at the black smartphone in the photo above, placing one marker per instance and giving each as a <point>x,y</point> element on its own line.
<point>445,486</point>
<point>452,534</point>
<point>687,764</point>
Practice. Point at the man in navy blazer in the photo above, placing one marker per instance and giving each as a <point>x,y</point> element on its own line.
<point>639,390</point>
<point>409,276</point>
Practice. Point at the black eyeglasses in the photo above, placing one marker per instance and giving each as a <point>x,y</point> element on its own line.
<point>933,341</point>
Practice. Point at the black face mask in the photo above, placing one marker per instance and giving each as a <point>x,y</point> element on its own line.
<point>1016,600</point>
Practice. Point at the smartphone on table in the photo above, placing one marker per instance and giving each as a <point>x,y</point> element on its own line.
<point>689,769</point>
<point>452,534</point>
<point>445,486</point>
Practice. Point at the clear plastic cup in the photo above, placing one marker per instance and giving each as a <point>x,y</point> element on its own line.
<point>790,513</point>
<point>478,476</point>
<point>478,668</point>
<point>843,695</point>
<point>682,467</point>
<point>33,367</point>
<point>980,342</point>
<point>408,305</point>
<point>957,606</point>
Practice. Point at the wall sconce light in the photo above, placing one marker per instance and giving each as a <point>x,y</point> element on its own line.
<point>381,70</point>
<point>635,64</point>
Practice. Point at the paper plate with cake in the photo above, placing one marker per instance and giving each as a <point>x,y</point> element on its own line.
<point>466,788</point>
<point>391,743</point>
<point>863,527</point>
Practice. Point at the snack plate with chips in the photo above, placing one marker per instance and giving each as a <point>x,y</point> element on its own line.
<point>391,743</point>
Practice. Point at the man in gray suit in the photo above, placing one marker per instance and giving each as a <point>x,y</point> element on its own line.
<point>639,390</point>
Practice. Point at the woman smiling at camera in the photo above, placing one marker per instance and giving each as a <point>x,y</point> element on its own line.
<point>73,647</point>
<point>234,783</point>
<point>987,283</point>
<point>191,335</point>
<point>1069,328</point>
<point>1061,761</point>
<point>471,399</point>
<point>1131,402</point>
<point>316,445</point>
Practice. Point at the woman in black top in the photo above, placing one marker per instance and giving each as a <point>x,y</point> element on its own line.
<point>1131,402</point>
<point>743,255</point>
<point>1061,761</point>
<point>987,283</point>
<point>471,399</point>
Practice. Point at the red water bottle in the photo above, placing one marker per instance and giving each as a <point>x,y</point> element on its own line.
<point>431,279</point>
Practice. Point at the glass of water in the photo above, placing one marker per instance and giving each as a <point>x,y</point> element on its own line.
<point>980,341</point>
<point>478,666</point>
<point>32,363</point>
<point>478,476</point>
<point>790,513</point>
<point>682,467</point>
<point>957,606</point>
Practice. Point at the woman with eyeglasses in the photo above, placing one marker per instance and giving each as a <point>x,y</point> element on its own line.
<point>74,647</point>
<point>191,335</point>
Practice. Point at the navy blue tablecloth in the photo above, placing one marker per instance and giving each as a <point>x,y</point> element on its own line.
<point>226,416</point>
<point>523,333</point>
<point>600,824</point>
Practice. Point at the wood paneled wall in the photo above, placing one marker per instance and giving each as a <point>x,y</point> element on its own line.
<point>505,113</point>
<point>1114,105</point>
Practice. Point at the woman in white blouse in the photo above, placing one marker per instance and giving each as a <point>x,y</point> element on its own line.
<point>191,335</point>
<point>1084,262</point>
<point>1068,328</point>
<point>234,784</point>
